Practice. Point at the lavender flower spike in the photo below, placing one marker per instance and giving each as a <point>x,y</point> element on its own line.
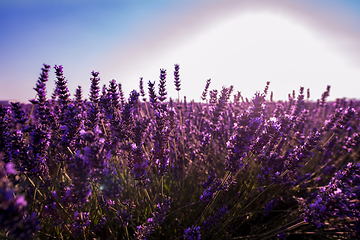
<point>192,233</point>
<point>177,77</point>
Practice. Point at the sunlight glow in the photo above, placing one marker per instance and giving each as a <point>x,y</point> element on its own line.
<point>249,49</point>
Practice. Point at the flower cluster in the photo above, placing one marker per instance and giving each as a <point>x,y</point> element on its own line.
<point>338,201</point>
<point>143,231</point>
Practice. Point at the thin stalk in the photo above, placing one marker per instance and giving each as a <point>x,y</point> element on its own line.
<point>212,202</point>
<point>147,109</point>
<point>228,221</point>
<point>126,232</point>
<point>149,199</point>
<point>102,123</point>
<point>332,135</point>
<point>162,186</point>
<point>287,229</point>
<point>182,135</point>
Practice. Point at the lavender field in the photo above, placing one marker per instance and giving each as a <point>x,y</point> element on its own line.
<point>102,164</point>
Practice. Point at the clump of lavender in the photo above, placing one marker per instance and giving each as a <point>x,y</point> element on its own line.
<point>79,171</point>
<point>248,123</point>
<point>158,217</point>
<point>95,152</point>
<point>127,115</point>
<point>80,224</point>
<point>37,163</point>
<point>214,218</point>
<point>161,150</point>
<point>19,114</point>
<point>138,162</point>
<point>337,201</point>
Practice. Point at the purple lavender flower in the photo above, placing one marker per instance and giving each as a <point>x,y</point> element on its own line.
<point>214,186</point>
<point>113,95</point>
<point>15,148</point>
<point>203,96</point>
<point>142,92</point>
<point>78,97</point>
<point>270,205</point>
<point>70,130</point>
<point>93,117</point>
<point>161,150</point>
<point>177,77</point>
<point>94,89</point>
<point>123,215</point>
<point>41,111</point>
<point>110,184</point>
<point>104,102</point>
<point>325,95</point>
<point>127,115</point>
<point>138,162</point>
<point>19,113</point>
<point>121,95</point>
<point>299,103</point>
<point>308,93</point>
<point>144,230</point>
<point>61,90</point>
<point>347,115</point>
<point>37,163</point>
<point>152,94</point>
<point>352,142</point>
<point>220,105</point>
<point>162,86</point>
<point>192,233</point>
<point>213,219</point>
<point>80,224</point>
<point>95,153</point>
<point>25,229</point>
<point>336,200</point>
<point>80,175</point>
<point>239,143</point>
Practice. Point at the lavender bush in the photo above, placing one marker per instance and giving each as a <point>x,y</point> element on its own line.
<point>111,167</point>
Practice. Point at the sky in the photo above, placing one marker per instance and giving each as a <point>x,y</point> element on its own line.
<point>244,43</point>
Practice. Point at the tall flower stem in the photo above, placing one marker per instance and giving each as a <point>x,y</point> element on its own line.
<point>215,198</point>
<point>182,136</point>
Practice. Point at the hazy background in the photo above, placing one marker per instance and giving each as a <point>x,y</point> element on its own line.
<point>244,43</point>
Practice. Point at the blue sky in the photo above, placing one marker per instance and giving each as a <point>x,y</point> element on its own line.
<point>290,43</point>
